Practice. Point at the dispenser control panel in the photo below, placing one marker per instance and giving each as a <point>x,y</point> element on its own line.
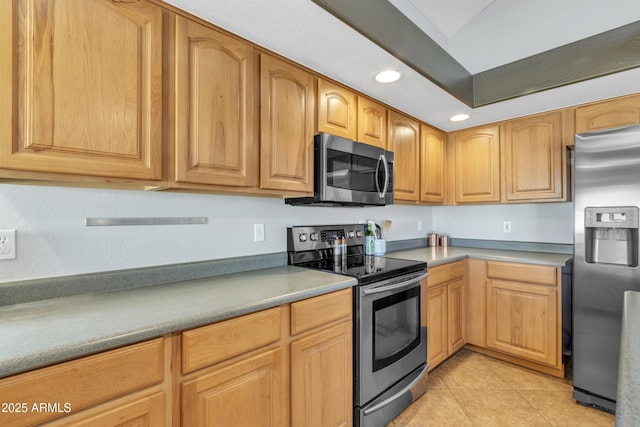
<point>614,217</point>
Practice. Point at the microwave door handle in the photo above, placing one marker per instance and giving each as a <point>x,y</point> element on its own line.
<point>383,160</point>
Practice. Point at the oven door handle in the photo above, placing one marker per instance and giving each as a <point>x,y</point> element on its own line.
<point>398,394</point>
<point>395,286</point>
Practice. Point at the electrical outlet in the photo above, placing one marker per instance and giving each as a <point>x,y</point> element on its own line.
<point>506,226</point>
<point>258,232</point>
<point>7,244</point>
<point>419,225</point>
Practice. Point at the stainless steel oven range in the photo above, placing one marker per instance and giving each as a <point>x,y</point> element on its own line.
<point>390,345</point>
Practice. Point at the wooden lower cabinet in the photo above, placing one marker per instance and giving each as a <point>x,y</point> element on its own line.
<point>147,411</point>
<point>507,310</point>
<point>445,311</point>
<point>237,395</point>
<point>69,388</point>
<point>289,365</point>
<point>523,311</point>
<point>524,315</point>
<point>521,320</point>
<point>437,348</point>
<point>321,378</point>
<point>456,320</point>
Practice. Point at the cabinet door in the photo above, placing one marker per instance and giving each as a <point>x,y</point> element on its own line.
<point>286,128</point>
<point>372,122</point>
<point>336,110</point>
<point>533,158</point>
<point>404,141</point>
<point>477,295</point>
<point>237,395</point>
<point>432,157</point>
<point>522,320</point>
<point>477,165</point>
<point>608,114</point>
<point>437,322</point>
<point>148,411</point>
<point>321,378</point>
<point>87,88</point>
<point>214,140</point>
<point>456,316</point>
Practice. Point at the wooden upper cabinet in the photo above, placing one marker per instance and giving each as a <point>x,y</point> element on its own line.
<point>404,141</point>
<point>87,88</point>
<point>214,126</point>
<point>533,158</point>
<point>608,114</point>
<point>286,128</point>
<point>372,123</point>
<point>432,161</point>
<point>477,164</point>
<point>337,110</point>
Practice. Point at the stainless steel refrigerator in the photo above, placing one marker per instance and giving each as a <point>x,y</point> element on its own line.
<point>607,197</point>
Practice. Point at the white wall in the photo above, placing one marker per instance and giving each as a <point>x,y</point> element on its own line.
<point>52,239</point>
<point>539,222</point>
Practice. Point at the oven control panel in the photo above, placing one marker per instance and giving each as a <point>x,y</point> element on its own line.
<point>307,238</point>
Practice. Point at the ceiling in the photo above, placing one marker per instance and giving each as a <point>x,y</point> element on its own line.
<point>479,34</point>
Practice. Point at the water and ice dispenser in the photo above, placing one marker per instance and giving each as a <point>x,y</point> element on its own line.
<point>611,235</point>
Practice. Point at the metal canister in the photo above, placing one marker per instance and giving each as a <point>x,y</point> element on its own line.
<point>432,239</point>
<point>444,240</point>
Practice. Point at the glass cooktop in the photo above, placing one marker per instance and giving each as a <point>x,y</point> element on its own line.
<point>367,268</point>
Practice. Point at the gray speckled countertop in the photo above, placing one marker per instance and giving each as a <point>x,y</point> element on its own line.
<point>442,255</point>
<point>41,333</point>
<point>627,401</point>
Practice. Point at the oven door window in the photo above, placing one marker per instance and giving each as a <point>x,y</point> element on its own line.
<point>396,327</point>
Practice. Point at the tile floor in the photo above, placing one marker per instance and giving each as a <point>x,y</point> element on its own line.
<point>471,389</point>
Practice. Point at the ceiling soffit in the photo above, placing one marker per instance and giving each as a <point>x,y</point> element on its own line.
<point>378,20</point>
<point>383,24</point>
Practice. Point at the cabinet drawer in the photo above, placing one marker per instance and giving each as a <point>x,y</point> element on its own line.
<point>317,311</point>
<point>445,273</point>
<point>223,340</point>
<point>529,273</point>
<point>81,383</point>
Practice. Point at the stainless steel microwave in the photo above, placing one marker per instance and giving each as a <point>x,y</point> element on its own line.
<point>349,173</point>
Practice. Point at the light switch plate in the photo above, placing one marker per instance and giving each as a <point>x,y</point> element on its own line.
<point>258,232</point>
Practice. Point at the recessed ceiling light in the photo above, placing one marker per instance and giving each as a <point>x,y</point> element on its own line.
<point>459,118</point>
<point>388,76</point>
